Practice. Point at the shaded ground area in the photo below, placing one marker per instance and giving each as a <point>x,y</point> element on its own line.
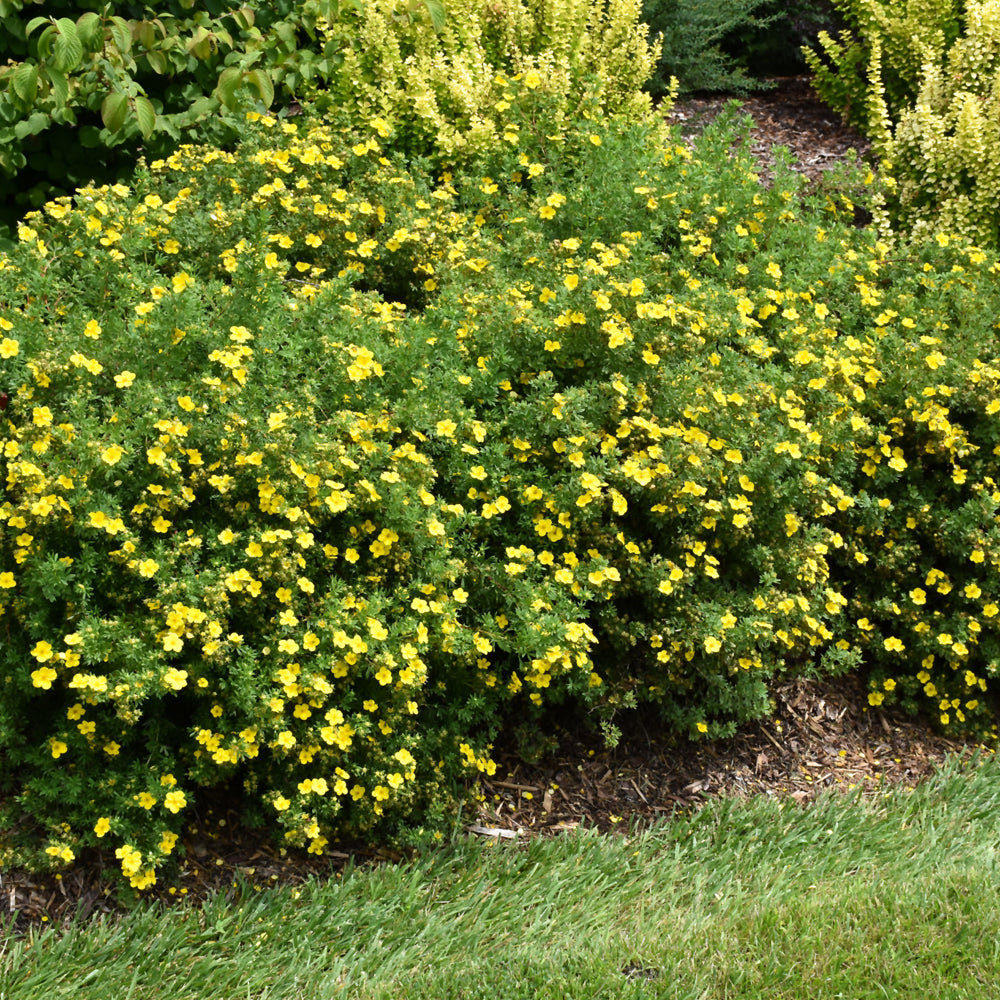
<point>821,734</point>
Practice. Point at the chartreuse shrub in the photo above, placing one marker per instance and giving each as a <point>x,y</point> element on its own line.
<point>923,80</point>
<point>318,470</point>
<point>83,92</point>
<point>437,85</point>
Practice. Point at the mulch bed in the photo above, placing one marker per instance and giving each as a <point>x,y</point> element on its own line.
<point>790,115</point>
<point>822,735</point>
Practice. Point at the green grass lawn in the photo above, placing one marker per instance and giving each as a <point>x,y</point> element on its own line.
<point>889,896</point>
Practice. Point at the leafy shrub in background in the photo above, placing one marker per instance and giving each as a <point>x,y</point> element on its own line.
<point>775,47</point>
<point>690,47</point>
<point>318,470</point>
<point>923,80</point>
<point>79,98</point>
<point>881,56</point>
<point>86,85</point>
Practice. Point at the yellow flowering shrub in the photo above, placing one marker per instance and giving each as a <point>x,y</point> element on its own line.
<point>318,471</point>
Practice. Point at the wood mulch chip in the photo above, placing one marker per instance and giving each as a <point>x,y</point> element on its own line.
<point>821,735</point>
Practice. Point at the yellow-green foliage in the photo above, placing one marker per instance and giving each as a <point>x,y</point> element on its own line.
<point>943,151</point>
<point>906,36</point>
<point>439,88</point>
<point>923,80</point>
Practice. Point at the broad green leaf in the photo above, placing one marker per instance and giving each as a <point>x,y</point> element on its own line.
<point>146,34</point>
<point>262,83</point>
<point>122,36</point>
<point>60,85</point>
<point>145,115</point>
<point>90,31</point>
<point>64,116</point>
<point>10,7</point>
<point>437,13</point>
<point>200,43</point>
<point>229,83</point>
<point>244,17</point>
<point>203,106</point>
<point>158,62</point>
<point>32,125</point>
<point>67,49</point>
<point>25,82</point>
<point>114,110</point>
<point>34,23</point>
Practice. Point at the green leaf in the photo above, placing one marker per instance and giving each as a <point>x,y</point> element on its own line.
<point>60,85</point>
<point>200,44</point>
<point>229,83</point>
<point>122,36</point>
<point>32,125</point>
<point>34,23</point>
<point>90,31</point>
<point>158,62</point>
<point>67,49</point>
<point>145,115</point>
<point>437,13</point>
<point>114,110</point>
<point>262,83</point>
<point>203,106</point>
<point>25,82</point>
<point>244,17</point>
<point>146,34</point>
<point>9,7</point>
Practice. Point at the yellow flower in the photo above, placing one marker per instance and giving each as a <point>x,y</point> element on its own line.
<point>532,79</point>
<point>42,651</point>
<point>174,801</point>
<point>173,643</point>
<point>43,678</point>
<point>175,679</point>
<point>102,826</point>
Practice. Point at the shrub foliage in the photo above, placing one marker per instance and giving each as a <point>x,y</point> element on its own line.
<point>319,466</point>
<point>923,79</point>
